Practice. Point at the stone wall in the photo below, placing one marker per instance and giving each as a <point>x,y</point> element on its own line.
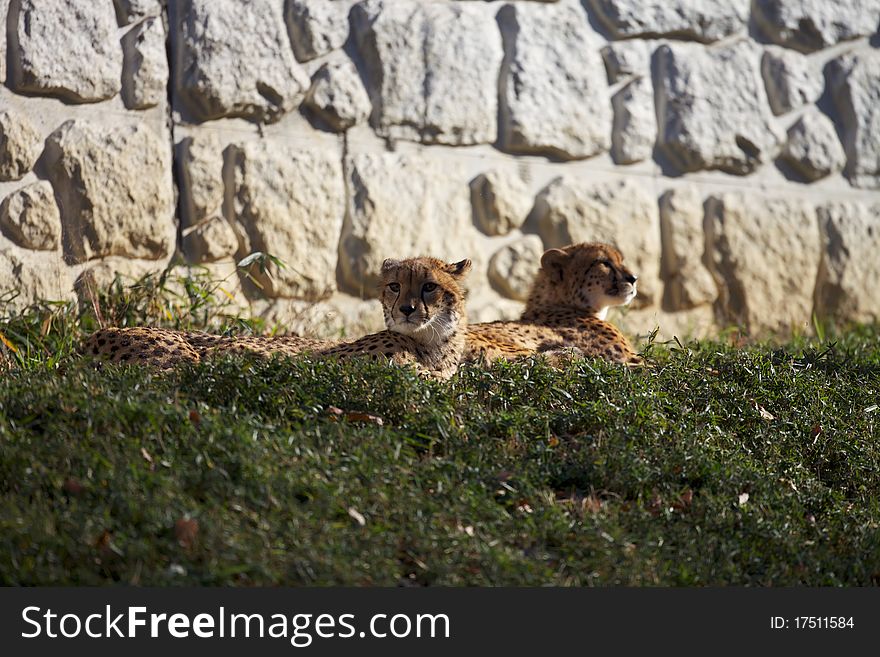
<point>731,149</point>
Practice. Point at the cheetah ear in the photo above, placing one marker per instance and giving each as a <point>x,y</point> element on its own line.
<point>459,269</point>
<point>553,262</point>
<point>389,264</point>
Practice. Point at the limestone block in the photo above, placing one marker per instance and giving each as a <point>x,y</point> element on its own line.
<point>688,283</point>
<point>813,148</point>
<point>101,274</point>
<point>402,205</point>
<point>855,82</point>
<point>316,26</point>
<point>145,78</point>
<point>553,85</point>
<point>765,256</point>
<point>130,11</point>
<point>513,267</point>
<point>201,166</point>
<point>290,202</point>
<point>211,240</point>
<point>30,218</point>
<point>846,288</point>
<point>337,95</point>
<point>33,276</point>
<point>340,317</point>
<point>19,144</point>
<point>621,212</point>
<point>4,7</point>
<point>791,80</point>
<point>115,189</point>
<point>433,69</point>
<point>712,108</point>
<point>635,122</point>
<point>493,309</point>
<point>809,25</point>
<point>236,60</point>
<point>67,48</point>
<point>501,201</point>
<point>691,19</point>
<point>624,59</point>
<point>695,323</point>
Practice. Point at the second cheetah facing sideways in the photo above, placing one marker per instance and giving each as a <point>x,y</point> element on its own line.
<point>422,300</point>
<point>565,311</point>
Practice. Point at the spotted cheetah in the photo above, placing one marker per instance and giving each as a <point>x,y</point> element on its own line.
<point>422,300</point>
<point>566,309</point>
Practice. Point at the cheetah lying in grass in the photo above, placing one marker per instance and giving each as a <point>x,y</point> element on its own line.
<point>422,300</point>
<point>565,312</point>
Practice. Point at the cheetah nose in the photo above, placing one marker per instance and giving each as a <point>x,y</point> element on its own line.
<point>631,278</point>
<point>407,310</point>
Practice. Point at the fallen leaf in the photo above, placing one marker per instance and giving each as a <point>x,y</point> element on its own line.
<point>185,531</point>
<point>357,516</point>
<point>146,455</point>
<point>743,498</point>
<point>591,504</point>
<point>195,417</point>
<point>684,500</point>
<point>5,341</point>
<point>72,486</point>
<point>334,413</point>
<point>354,416</point>
<point>765,413</point>
<point>553,441</point>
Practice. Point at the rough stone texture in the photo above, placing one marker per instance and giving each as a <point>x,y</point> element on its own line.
<point>19,144</point>
<point>30,218</point>
<point>210,241</point>
<point>846,288</point>
<point>813,148</point>
<point>316,26</point>
<point>146,66</point>
<point>553,85</point>
<point>691,19</point>
<point>67,48</point>
<point>290,202</point>
<point>101,274</point>
<point>115,189</point>
<point>236,60</point>
<point>791,80</point>
<point>855,80</point>
<point>620,212</point>
<point>635,122</point>
<point>425,83</point>
<point>688,283</point>
<point>712,108</point>
<point>501,201</point>
<point>337,95</point>
<point>809,25</point>
<point>4,6</point>
<point>34,276</point>
<point>383,187</point>
<point>765,255</point>
<point>626,58</point>
<point>513,267</point>
<point>130,11</point>
<point>201,167</point>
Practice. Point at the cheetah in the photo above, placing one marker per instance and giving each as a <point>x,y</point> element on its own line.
<point>566,310</point>
<point>423,302</point>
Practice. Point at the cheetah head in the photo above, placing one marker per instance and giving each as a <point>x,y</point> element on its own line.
<point>589,276</point>
<point>423,297</point>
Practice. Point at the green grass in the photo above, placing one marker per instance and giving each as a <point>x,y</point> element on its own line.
<point>721,464</point>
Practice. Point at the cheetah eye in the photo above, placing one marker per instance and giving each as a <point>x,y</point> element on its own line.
<point>429,287</point>
<point>394,287</point>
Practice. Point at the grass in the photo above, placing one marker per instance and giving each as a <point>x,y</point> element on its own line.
<point>754,464</point>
